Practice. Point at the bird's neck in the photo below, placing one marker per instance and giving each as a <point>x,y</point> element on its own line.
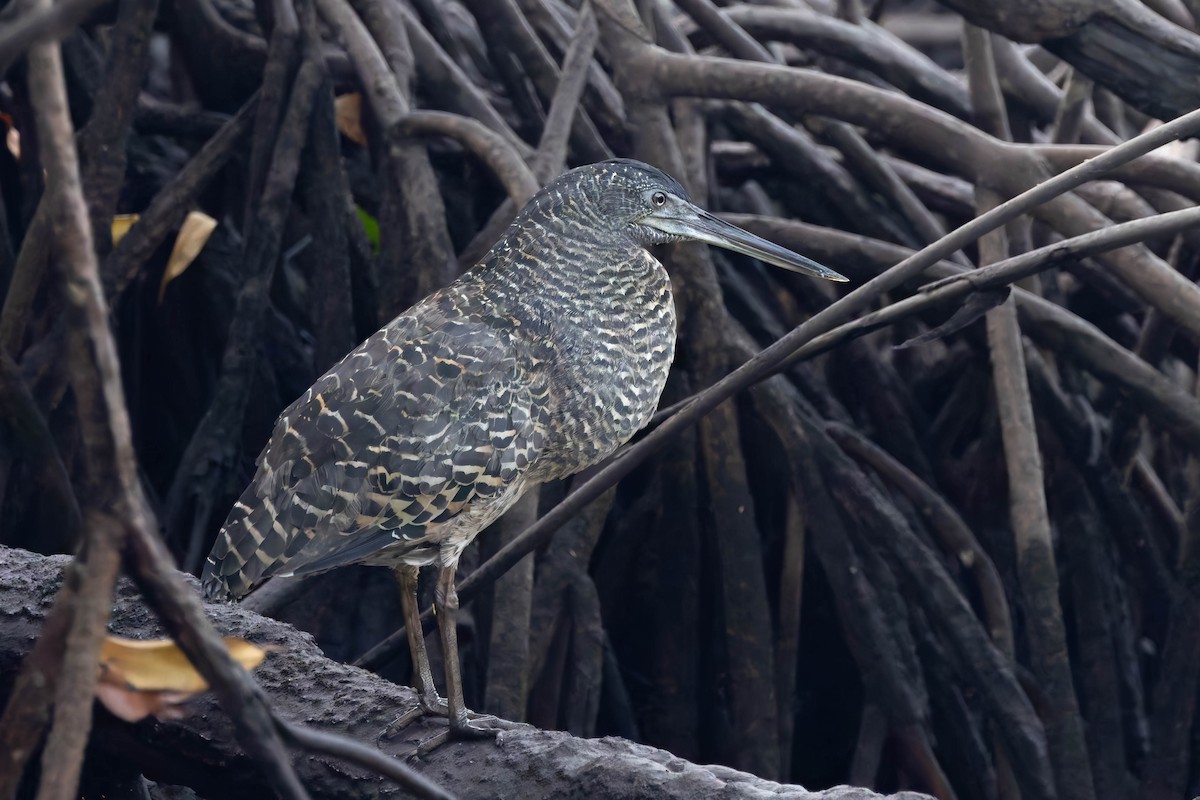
<point>604,322</point>
<point>580,282</point>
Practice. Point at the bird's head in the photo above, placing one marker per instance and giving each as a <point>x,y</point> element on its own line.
<point>630,198</point>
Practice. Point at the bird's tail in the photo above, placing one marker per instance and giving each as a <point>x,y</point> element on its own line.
<point>239,558</point>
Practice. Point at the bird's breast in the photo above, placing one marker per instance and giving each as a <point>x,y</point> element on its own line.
<point>613,350</point>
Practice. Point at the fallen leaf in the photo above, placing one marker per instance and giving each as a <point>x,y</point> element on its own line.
<point>159,664</point>
<point>193,234</point>
<point>139,678</point>
<point>347,110</point>
<point>120,226</point>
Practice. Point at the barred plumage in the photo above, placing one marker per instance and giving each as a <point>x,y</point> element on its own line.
<point>375,462</point>
<point>540,361</point>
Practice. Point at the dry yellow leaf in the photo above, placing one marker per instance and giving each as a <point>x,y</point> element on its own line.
<point>159,664</point>
<point>347,110</point>
<point>120,226</point>
<point>143,677</point>
<point>193,234</point>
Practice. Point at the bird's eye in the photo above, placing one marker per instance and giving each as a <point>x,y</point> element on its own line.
<point>658,198</point>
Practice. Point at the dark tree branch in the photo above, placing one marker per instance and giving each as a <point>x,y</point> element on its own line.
<point>1030,518</point>
<point>1121,45</point>
<point>210,456</point>
<point>171,204</point>
<point>98,391</point>
<point>49,23</point>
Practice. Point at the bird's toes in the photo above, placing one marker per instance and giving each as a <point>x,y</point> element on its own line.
<point>429,745</point>
<point>397,726</point>
<point>462,728</point>
<point>428,705</point>
<point>470,728</point>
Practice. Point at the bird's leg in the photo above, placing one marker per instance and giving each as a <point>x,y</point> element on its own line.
<point>422,674</point>
<point>446,606</point>
<point>428,701</point>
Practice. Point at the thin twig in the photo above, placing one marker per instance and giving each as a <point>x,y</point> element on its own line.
<point>958,284</point>
<point>488,146</point>
<point>348,749</point>
<point>1011,169</point>
<point>552,147</point>
<point>182,614</point>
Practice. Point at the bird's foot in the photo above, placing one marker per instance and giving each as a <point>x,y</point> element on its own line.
<point>428,705</point>
<point>462,727</point>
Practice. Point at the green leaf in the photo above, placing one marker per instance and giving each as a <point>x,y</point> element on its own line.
<point>371,226</point>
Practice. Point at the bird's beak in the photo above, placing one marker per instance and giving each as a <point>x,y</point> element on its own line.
<point>693,222</point>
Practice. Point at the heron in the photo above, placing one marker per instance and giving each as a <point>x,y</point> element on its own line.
<point>538,362</point>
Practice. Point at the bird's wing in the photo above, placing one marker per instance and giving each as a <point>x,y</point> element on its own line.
<point>422,420</point>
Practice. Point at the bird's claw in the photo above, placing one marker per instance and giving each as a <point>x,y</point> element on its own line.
<point>461,728</point>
